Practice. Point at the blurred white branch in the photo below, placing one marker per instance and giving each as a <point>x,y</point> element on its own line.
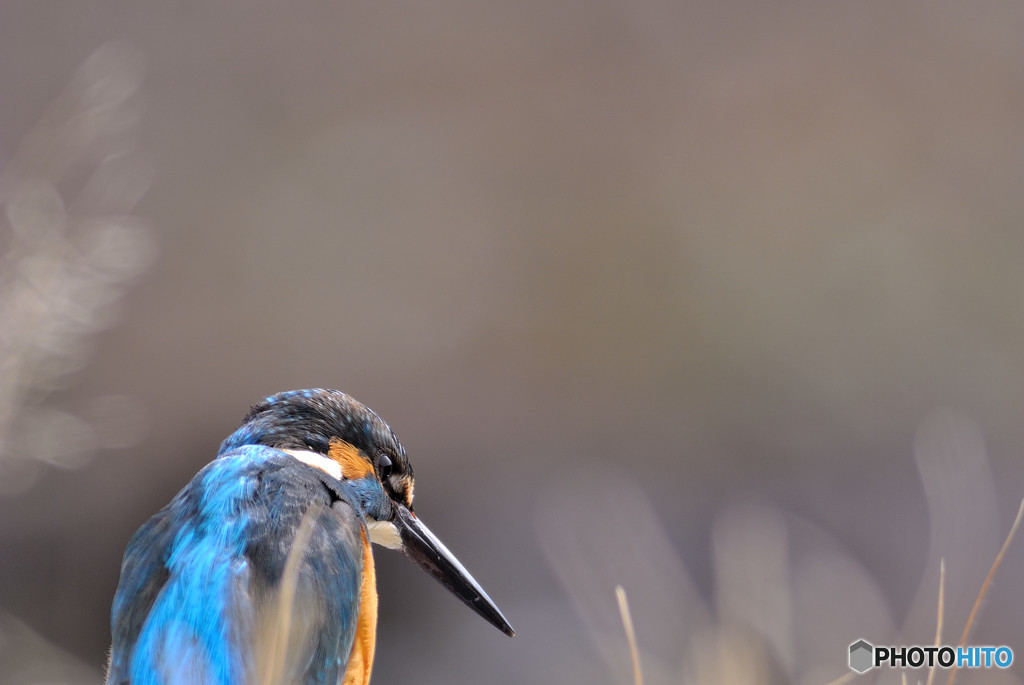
<point>71,248</point>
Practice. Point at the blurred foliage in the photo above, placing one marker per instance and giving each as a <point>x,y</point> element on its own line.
<point>66,265</point>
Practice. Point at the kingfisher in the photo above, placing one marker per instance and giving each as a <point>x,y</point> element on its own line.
<point>260,570</point>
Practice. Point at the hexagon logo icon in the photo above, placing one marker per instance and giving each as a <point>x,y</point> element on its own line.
<point>861,653</point>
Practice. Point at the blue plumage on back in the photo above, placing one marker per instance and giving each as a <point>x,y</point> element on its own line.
<point>206,607</point>
<point>201,577</point>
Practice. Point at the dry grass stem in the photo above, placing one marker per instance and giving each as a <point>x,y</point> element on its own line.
<point>985,585</point>
<point>627,623</point>
<point>845,678</point>
<point>276,632</point>
<point>938,620</point>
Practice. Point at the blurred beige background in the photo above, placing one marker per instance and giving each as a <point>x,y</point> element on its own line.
<point>718,300</point>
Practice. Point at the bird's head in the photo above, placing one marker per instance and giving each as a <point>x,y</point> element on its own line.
<point>333,432</point>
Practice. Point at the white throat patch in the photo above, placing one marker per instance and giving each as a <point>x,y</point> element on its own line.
<point>384,533</point>
<point>317,461</point>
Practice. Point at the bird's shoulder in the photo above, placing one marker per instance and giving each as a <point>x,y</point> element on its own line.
<point>241,515</point>
<point>248,502</point>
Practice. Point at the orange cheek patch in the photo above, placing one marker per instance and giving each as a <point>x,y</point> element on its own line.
<point>354,464</point>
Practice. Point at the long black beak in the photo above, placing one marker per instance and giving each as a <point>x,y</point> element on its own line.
<point>423,547</point>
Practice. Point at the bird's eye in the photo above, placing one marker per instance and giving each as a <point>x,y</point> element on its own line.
<point>384,462</point>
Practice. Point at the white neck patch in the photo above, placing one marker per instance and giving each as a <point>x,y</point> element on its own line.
<point>317,461</point>
<point>384,533</point>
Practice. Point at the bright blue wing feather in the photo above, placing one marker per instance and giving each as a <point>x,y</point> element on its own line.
<point>199,577</point>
